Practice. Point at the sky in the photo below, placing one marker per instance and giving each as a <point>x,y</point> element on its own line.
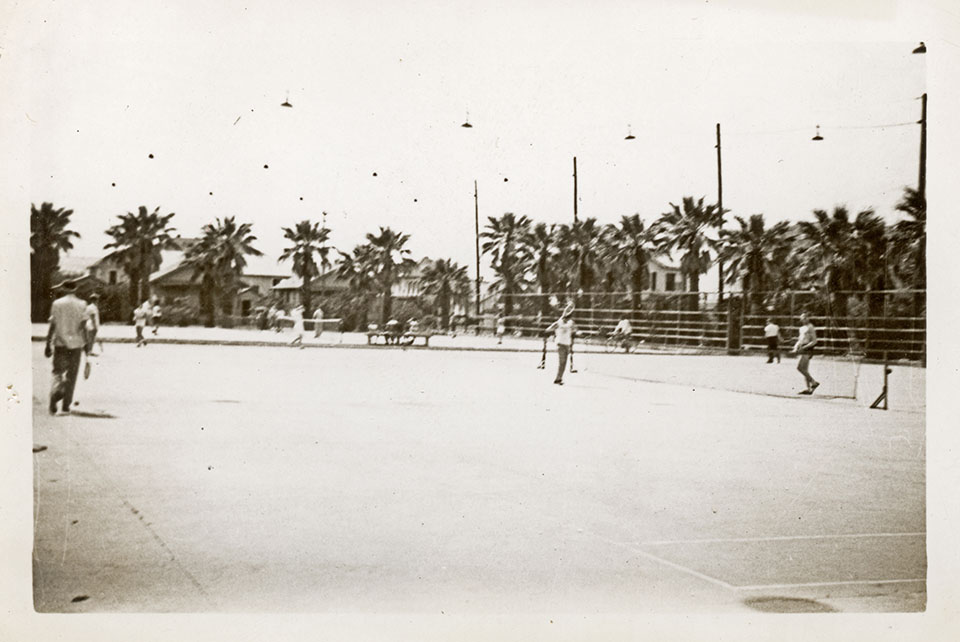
<point>379,93</point>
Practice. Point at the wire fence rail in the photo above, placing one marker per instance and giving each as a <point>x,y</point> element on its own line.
<point>872,324</point>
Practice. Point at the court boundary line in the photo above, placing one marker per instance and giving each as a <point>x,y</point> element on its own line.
<point>685,569</point>
<point>774,538</point>
<point>765,587</point>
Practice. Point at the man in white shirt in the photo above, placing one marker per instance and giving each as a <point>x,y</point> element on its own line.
<point>65,341</point>
<point>771,332</point>
<point>563,331</point>
<point>92,323</point>
<point>140,316</point>
<point>806,341</point>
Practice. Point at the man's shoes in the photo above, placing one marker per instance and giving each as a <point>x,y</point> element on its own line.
<point>808,391</point>
<point>558,382</point>
<point>815,385</point>
<point>53,406</point>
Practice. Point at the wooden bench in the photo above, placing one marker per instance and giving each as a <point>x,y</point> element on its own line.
<point>403,338</point>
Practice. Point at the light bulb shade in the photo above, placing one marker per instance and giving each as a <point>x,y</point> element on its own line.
<point>921,49</point>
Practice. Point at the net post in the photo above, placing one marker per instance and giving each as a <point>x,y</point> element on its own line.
<point>883,395</point>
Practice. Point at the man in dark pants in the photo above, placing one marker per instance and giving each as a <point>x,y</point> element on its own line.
<point>65,341</point>
<point>563,329</point>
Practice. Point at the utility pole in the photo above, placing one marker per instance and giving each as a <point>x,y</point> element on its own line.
<point>476,227</point>
<point>574,189</point>
<point>922,182</point>
<point>719,205</point>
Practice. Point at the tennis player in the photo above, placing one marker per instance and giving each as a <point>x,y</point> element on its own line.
<point>806,342</point>
<point>563,329</point>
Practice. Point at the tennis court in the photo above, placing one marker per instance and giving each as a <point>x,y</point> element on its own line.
<point>214,478</point>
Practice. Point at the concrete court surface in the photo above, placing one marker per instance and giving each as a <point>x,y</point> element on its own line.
<point>334,480</point>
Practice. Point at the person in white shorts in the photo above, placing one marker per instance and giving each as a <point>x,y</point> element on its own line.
<point>771,332</point>
<point>563,330</point>
<point>806,341</point>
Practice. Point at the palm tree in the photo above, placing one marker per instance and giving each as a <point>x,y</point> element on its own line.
<point>908,245</point>
<point>218,261</point>
<point>356,269</point>
<point>309,240</point>
<point>629,248</point>
<point>580,244</point>
<point>505,245</point>
<point>541,245</point>
<point>752,254</point>
<point>49,237</point>
<point>138,240</point>
<point>389,260</point>
<point>685,230</point>
<point>445,280</point>
<point>837,253</point>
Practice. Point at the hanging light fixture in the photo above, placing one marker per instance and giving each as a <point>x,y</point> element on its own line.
<point>921,49</point>
<point>817,136</point>
<point>629,135</point>
<point>466,123</point>
<point>286,103</point>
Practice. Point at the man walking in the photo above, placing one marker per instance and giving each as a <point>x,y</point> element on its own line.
<point>65,341</point>
<point>806,341</point>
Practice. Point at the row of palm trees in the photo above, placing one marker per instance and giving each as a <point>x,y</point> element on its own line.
<point>219,256</point>
<point>835,253</point>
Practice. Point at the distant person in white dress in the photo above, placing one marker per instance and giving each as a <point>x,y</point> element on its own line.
<point>298,327</point>
<point>771,332</point>
<point>501,328</point>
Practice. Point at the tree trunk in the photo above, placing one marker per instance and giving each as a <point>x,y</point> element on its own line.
<point>387,306</point>
<point>134,277</point>
<point>445,311</point>
<point>693,302</point>
<point>306,297</point>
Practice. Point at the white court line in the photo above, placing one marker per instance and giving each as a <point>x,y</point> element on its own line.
<point>685,569</point>
<point>761,587</point>
<point>775,538</point>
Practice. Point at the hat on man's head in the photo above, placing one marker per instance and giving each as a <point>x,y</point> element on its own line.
<point>68,286</point>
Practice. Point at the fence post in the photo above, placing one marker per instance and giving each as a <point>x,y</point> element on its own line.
<point>734,324</point>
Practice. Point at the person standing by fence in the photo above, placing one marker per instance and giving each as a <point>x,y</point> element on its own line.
<point>65,341</point>
<point>806,342</point>
<point>771,333</point>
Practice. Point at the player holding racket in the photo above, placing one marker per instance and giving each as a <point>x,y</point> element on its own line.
<point>563,329</point>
